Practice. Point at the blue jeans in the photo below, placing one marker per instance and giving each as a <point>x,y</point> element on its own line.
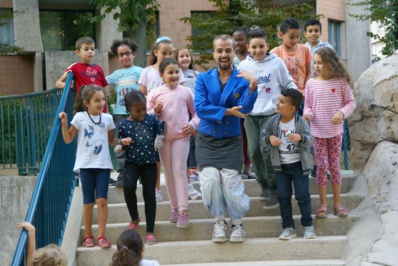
<point>293,173</point>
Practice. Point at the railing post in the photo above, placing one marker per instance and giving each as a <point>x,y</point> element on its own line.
<point>20,139</point>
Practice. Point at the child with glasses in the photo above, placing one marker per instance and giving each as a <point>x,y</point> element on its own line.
<point>123,81</point>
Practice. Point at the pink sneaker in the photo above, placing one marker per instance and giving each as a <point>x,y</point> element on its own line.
<point>174,216</point>
<point>183,220</point>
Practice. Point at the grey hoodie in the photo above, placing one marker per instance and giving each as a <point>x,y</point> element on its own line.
<point>302,128</point>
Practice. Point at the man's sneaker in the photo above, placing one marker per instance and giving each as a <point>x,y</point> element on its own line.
<point>193,193</point>
<point>183,220</point>
<point>273,198</point>
<point>219,232</point>
<point>287,234</point>
<point>112,182</point>
<point>238,234</point>
<point>119,181</point>
<point>264,195</point>
<point>309,232</point>
<point>173,217</point>
<point>158,194</point>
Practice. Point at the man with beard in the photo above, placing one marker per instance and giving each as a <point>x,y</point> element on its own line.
<point>222,96</point>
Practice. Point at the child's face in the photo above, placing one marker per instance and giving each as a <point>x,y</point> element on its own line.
<point>258,48</point>
<point>86,52</point>
<point>125,56</point>
<point>138,111</point>
<point>165,50</point>
<point>171,75</point>
<point>312,33</point>
<point>290,38</point>
<point>184,59</point>
<point>284,106</point>
<point>240,41</point>
<point>96,103</point>
<point>321,68</point>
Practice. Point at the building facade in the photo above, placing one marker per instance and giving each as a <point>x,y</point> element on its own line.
<point>48,29</point>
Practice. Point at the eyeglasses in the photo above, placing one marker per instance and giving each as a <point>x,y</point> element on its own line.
<point>121,55</point>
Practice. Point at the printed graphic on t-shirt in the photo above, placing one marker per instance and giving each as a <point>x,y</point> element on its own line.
<point>292,64</point>
<point>289,152</point>
<point>263,82</point>
<point>93,138</point>
<point>92,73</point>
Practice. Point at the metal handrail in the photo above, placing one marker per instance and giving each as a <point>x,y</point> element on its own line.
<point>50,202</point>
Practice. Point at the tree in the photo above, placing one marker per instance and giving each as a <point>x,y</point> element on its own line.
<point>234,13</point>
<point>4,47</point>
<point>385,13</point>
<point>132,15</point>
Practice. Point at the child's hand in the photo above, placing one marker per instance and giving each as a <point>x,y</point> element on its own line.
<point>127,141</point>
<point>275,141</point>
<point>295,137</point>
<point>338,118</point>
<point>158,107</point>
<point>307,117</point>
<point>159,141</point>
<point>63,117</point>
<point>28,226</point>
<point>187,129</point>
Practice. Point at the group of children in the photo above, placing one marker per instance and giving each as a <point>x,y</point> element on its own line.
<point>156,118</point>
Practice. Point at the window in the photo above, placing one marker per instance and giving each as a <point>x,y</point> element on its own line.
<point>200,16</point>
<point>335,35</point>
<point>60,28</point>
<point>6,27</point>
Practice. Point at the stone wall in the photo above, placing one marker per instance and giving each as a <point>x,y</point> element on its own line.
<point>15,195</point>
<point>375,118</point>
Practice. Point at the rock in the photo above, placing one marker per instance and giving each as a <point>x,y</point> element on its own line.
<point>375,118</point>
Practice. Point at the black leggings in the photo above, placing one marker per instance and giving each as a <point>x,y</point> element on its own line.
<point>148,174</point>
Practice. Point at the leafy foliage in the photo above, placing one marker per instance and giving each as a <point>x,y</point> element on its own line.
<point>234,13</point>
<point>386,13</point>
<point>6,48</point>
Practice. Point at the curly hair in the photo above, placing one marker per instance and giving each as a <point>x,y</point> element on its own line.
<point>332,60</point>
<point>129,249</point>
<point>50,255</point>
<point>127,42</point>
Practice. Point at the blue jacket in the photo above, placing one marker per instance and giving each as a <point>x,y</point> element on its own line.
<point>211,103</point>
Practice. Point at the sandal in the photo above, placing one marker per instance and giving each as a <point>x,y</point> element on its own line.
<point>322,211</point>
<point>150,239</point>
<point>88,242</point>
<point>103,242</point>
<point>340,210</point>
<point>133,224</point>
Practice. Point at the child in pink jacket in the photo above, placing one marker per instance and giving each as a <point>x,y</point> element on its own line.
<point>173,103</point>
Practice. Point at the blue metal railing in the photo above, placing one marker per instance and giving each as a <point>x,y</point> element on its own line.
<point>25,127</point>
<point>52,195</point>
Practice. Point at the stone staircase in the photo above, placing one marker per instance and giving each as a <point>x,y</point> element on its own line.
<point>193,246</point>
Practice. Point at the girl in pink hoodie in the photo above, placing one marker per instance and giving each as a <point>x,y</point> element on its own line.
<point>173,103</point>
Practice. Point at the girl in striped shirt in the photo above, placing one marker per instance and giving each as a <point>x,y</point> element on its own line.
<point>328,101</point>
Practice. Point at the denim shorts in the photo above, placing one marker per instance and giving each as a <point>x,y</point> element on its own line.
<point>95,183</point>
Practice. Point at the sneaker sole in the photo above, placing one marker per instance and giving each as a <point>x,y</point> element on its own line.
<point>219,240</point>
<point>237,240</point>
<point>195,197</point>
<point>182,226</point>
<point>309,237</point>
<point>288,238</point>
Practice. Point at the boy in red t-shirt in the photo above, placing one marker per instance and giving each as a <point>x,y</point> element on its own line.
<point>85,71</point>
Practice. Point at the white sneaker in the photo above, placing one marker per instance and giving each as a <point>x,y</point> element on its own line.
<point>309,232</point>
<point>159,196</point>
<point>238,234</point>
<point>287,234</point>
<point>193,193</point>
<point>219,232</point>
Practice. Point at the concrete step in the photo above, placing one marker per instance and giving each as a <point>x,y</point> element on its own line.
<point>254,249</point>
<point>118,213</point>
<point>270,263</point>
<point>255,227</point>
<point>252,189</point>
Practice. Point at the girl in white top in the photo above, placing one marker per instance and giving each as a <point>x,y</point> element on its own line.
<point>328,101</point>
<point>150,79</point>
<point>93,161</point>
